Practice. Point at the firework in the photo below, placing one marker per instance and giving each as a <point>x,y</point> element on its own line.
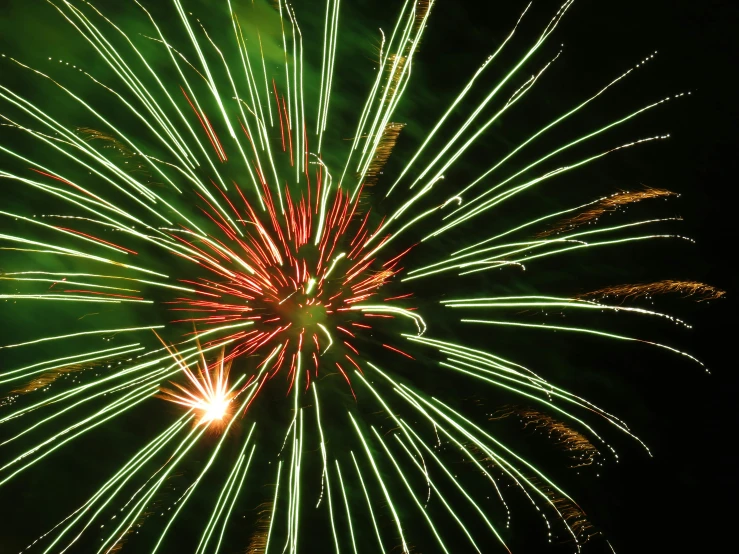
<point>202,248</point>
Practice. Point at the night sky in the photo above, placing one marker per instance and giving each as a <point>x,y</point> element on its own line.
<point>682,498</point>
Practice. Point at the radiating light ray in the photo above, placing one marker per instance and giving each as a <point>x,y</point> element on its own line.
<point>398,422</point>
<point>11,276</point>
<point>239,487</point>
<point>346,506</point>
<point>369,503</point>
<point>191,489</point>
<point>441,155</point>
<point>366,114</point>
<point>124,404</point>
<point>59,128</point>
<point>55,415</point>
<point>120,478</point>
<point>457,100</point>
<point>507,466</point>
<point>494,365</point>
<point>382,483</point>
<point>135,511</point>
<point>223,498</point>
<point>487,204</point>
<point>550,302</point>
<point>455,481</point>
<point>498,260</point>
<point>274,506</point>
<point>408,433</point>
<point>399,77</point>
<point>149,379</point>
<point>81,359</point>
<point>552,124</point>
<point>410,490</point>
<point>325,474</point>
<point>586,331</point>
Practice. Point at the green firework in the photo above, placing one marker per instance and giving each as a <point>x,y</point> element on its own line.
<point>214,258</point>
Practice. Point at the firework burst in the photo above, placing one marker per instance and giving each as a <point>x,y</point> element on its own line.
<point>207,391</point>
<point>208,239</point>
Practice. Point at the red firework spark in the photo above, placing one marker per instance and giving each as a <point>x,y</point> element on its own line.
<point>295,286</point>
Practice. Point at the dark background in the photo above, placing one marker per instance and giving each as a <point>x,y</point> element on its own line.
<point>682,499</point>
